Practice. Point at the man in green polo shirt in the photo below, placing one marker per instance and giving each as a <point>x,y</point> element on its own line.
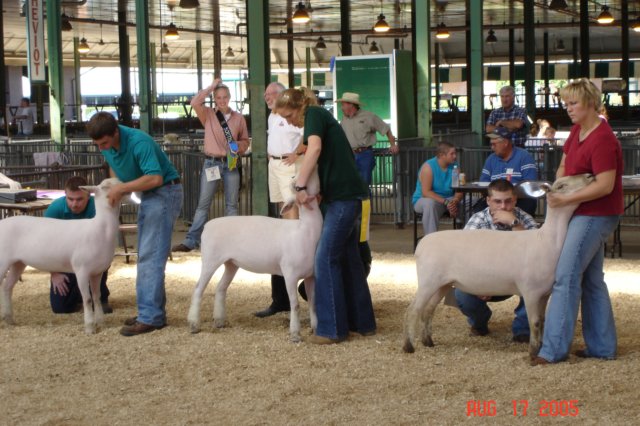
<point>65,294</point>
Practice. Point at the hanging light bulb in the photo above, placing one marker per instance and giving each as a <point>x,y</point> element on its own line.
<point>321,45</point>
<point>381,25</point>
<point>301,16</point>
<point>189,4</point>
<point>165,49</point>
<point>229,53</point>
<point>491,38</point>
<point>65,25</point>
<point>636,25</point>
<point>605,16</point>
<point>83,47</point>
<point>374,48</point>
<point>558,5</point>
<point>442,32</point>
<point>172,32</point>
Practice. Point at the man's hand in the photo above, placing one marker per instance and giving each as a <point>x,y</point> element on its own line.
<point>394,149</point>
<point>304,199</point>
<point>115,194</point>
<point>504,217</point>
<point>556,200</point>
<point>452,206</point>
<point>60,283</point>
<point>290,159</point>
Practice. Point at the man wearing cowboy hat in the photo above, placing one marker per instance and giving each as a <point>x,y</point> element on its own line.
<point>360,127</point>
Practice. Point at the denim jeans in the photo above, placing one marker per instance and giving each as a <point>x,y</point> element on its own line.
<point>343,300</point>
<point>231,180</point>
<point>158,212</point>
<point>478,312</point>
<point>580,278</point>
<point>366,162</point>
<point>69,303</point>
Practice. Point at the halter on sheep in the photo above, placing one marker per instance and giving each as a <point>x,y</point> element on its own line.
<point>492,263</point>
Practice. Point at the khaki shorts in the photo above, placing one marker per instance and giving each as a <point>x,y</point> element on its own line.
<point>281,177</point>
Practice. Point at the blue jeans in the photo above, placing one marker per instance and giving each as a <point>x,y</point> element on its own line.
<point>231,180</point>
<point>343,300</point>
<point>478,312</point>
<point>366,162</point>
<point>157,215</point>
<point>67,304</point>
<point>580,278</point>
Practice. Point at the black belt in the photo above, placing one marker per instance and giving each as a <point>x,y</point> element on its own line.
<point>362,149</point>
<point>284,157</point>
<point>175,181</point>
<point>208,157</point>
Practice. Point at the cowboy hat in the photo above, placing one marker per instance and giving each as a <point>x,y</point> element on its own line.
<point>352,98</point>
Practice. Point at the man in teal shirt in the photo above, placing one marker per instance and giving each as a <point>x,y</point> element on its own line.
<point>137,160</point>
<point>65,294</point>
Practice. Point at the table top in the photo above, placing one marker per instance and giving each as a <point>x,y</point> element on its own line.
<point>45,197</point>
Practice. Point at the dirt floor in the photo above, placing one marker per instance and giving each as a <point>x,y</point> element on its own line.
<point>249,373</point>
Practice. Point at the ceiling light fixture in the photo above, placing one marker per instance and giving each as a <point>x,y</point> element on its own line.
<point>321,45</point>
<point>636,25</point>
<point>229,53</point>
<point>172,32</point>
<point>491,38</point>
<point>442,32</point>
<point>165,49</point>
<point>374,48</point>
<point>83,47</point>
<point>301,16</point>
<point>65,25</point>
<point>558,5</point>
<point>189,4</point>
<point>605,16</point>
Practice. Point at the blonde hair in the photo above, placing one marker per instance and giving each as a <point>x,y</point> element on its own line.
<point>583,91</point>
<point>294,99</point>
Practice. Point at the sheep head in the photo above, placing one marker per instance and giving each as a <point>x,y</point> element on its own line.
<point>569,184</point>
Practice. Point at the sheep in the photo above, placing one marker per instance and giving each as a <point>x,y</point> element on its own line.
<point>83,246</point>
<point>492,263</point>
<point>262,245</point>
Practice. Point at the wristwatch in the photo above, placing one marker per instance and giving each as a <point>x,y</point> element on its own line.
<point>515,222</point>
<point>300,188</point>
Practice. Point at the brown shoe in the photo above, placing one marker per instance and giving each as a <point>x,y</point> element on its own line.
<point>539,361</point>
<point>321,340</point>
<point>365,334</point>
<point>131,321</point>
<point>139,328</point>
<point>181,247</point>
<point>479,331</point>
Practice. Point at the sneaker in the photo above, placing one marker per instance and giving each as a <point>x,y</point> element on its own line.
<point>321,340</point>
<point>181,247</point>
<point>538,361</point>
<point>271,310</point>
<point>479,331</point>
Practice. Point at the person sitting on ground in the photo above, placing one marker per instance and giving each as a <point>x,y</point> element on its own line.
<point>65,294</point>
<point>433,196</point>
<point>501,215</point>
<point>511,163</point>
<point>223,128</point>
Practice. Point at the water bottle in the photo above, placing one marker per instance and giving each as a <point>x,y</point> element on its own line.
<point>455,176</point>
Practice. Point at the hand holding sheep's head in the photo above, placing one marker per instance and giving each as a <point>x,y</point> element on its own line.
<point>106,189</point>
<point>557,195</point>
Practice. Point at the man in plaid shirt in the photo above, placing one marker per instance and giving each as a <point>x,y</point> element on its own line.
<point>501,215</point>
<point>510,116</point>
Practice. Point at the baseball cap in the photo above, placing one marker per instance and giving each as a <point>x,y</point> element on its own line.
<point>500,132</point>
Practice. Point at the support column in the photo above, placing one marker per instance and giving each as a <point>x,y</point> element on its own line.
<point>423,70</point>
<point>3,79</point>
<point>259,77</point>
<point>512,58</point>
<point>436,74</point>
<point>217,47</point>
<point>345,27</point>
<point>56,72</point>
<point>308,65</point>
<point>76,81</point>
<point>624,65</point>
<point>584,38</point>
<point>529,59</point>
<point>475,71</point>
<point>125,104</point>
<point>199,63</point>
<point>142,37</point>
<point>545,69</point>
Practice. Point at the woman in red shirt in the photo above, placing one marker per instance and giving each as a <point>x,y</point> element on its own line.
<point>591,148</point>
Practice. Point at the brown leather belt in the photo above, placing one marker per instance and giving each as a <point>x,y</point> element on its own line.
<point>362,149</point>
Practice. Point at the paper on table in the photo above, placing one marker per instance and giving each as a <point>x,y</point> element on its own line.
<point>480,183</point>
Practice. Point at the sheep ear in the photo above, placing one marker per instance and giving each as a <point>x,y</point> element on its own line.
<point>88,188</point>
<point>545,187</point>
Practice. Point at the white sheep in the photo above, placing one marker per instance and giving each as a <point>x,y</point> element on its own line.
<point>492,263</point>
<point>262,245</point>
<point>83,246</point>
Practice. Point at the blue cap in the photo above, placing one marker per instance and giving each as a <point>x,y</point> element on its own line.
<point>500,132</point>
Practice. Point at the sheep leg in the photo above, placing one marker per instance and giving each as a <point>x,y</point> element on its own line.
<point>294,316</point>
<point>219,314</point>
<point>412,316</point>
<point>95,296</point>
<point>11,275</point>
<point>87,303</point>
<point>427,315</point>
<point>309,287</point>
<point>196,299</point>
<point>534,306</point>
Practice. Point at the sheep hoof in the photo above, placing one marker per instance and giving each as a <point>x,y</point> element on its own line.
<point>90,329</point>
<point>218,323</point>
<point>194,328</point>
<point>408,347</point>
<point>427,341</point>
<point>8,319</point>
<point>295,338</point>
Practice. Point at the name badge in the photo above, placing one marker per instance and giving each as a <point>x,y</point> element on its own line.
<point>212,173</point>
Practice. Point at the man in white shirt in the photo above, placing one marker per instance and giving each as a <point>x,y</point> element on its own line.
<point>25,118</point>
